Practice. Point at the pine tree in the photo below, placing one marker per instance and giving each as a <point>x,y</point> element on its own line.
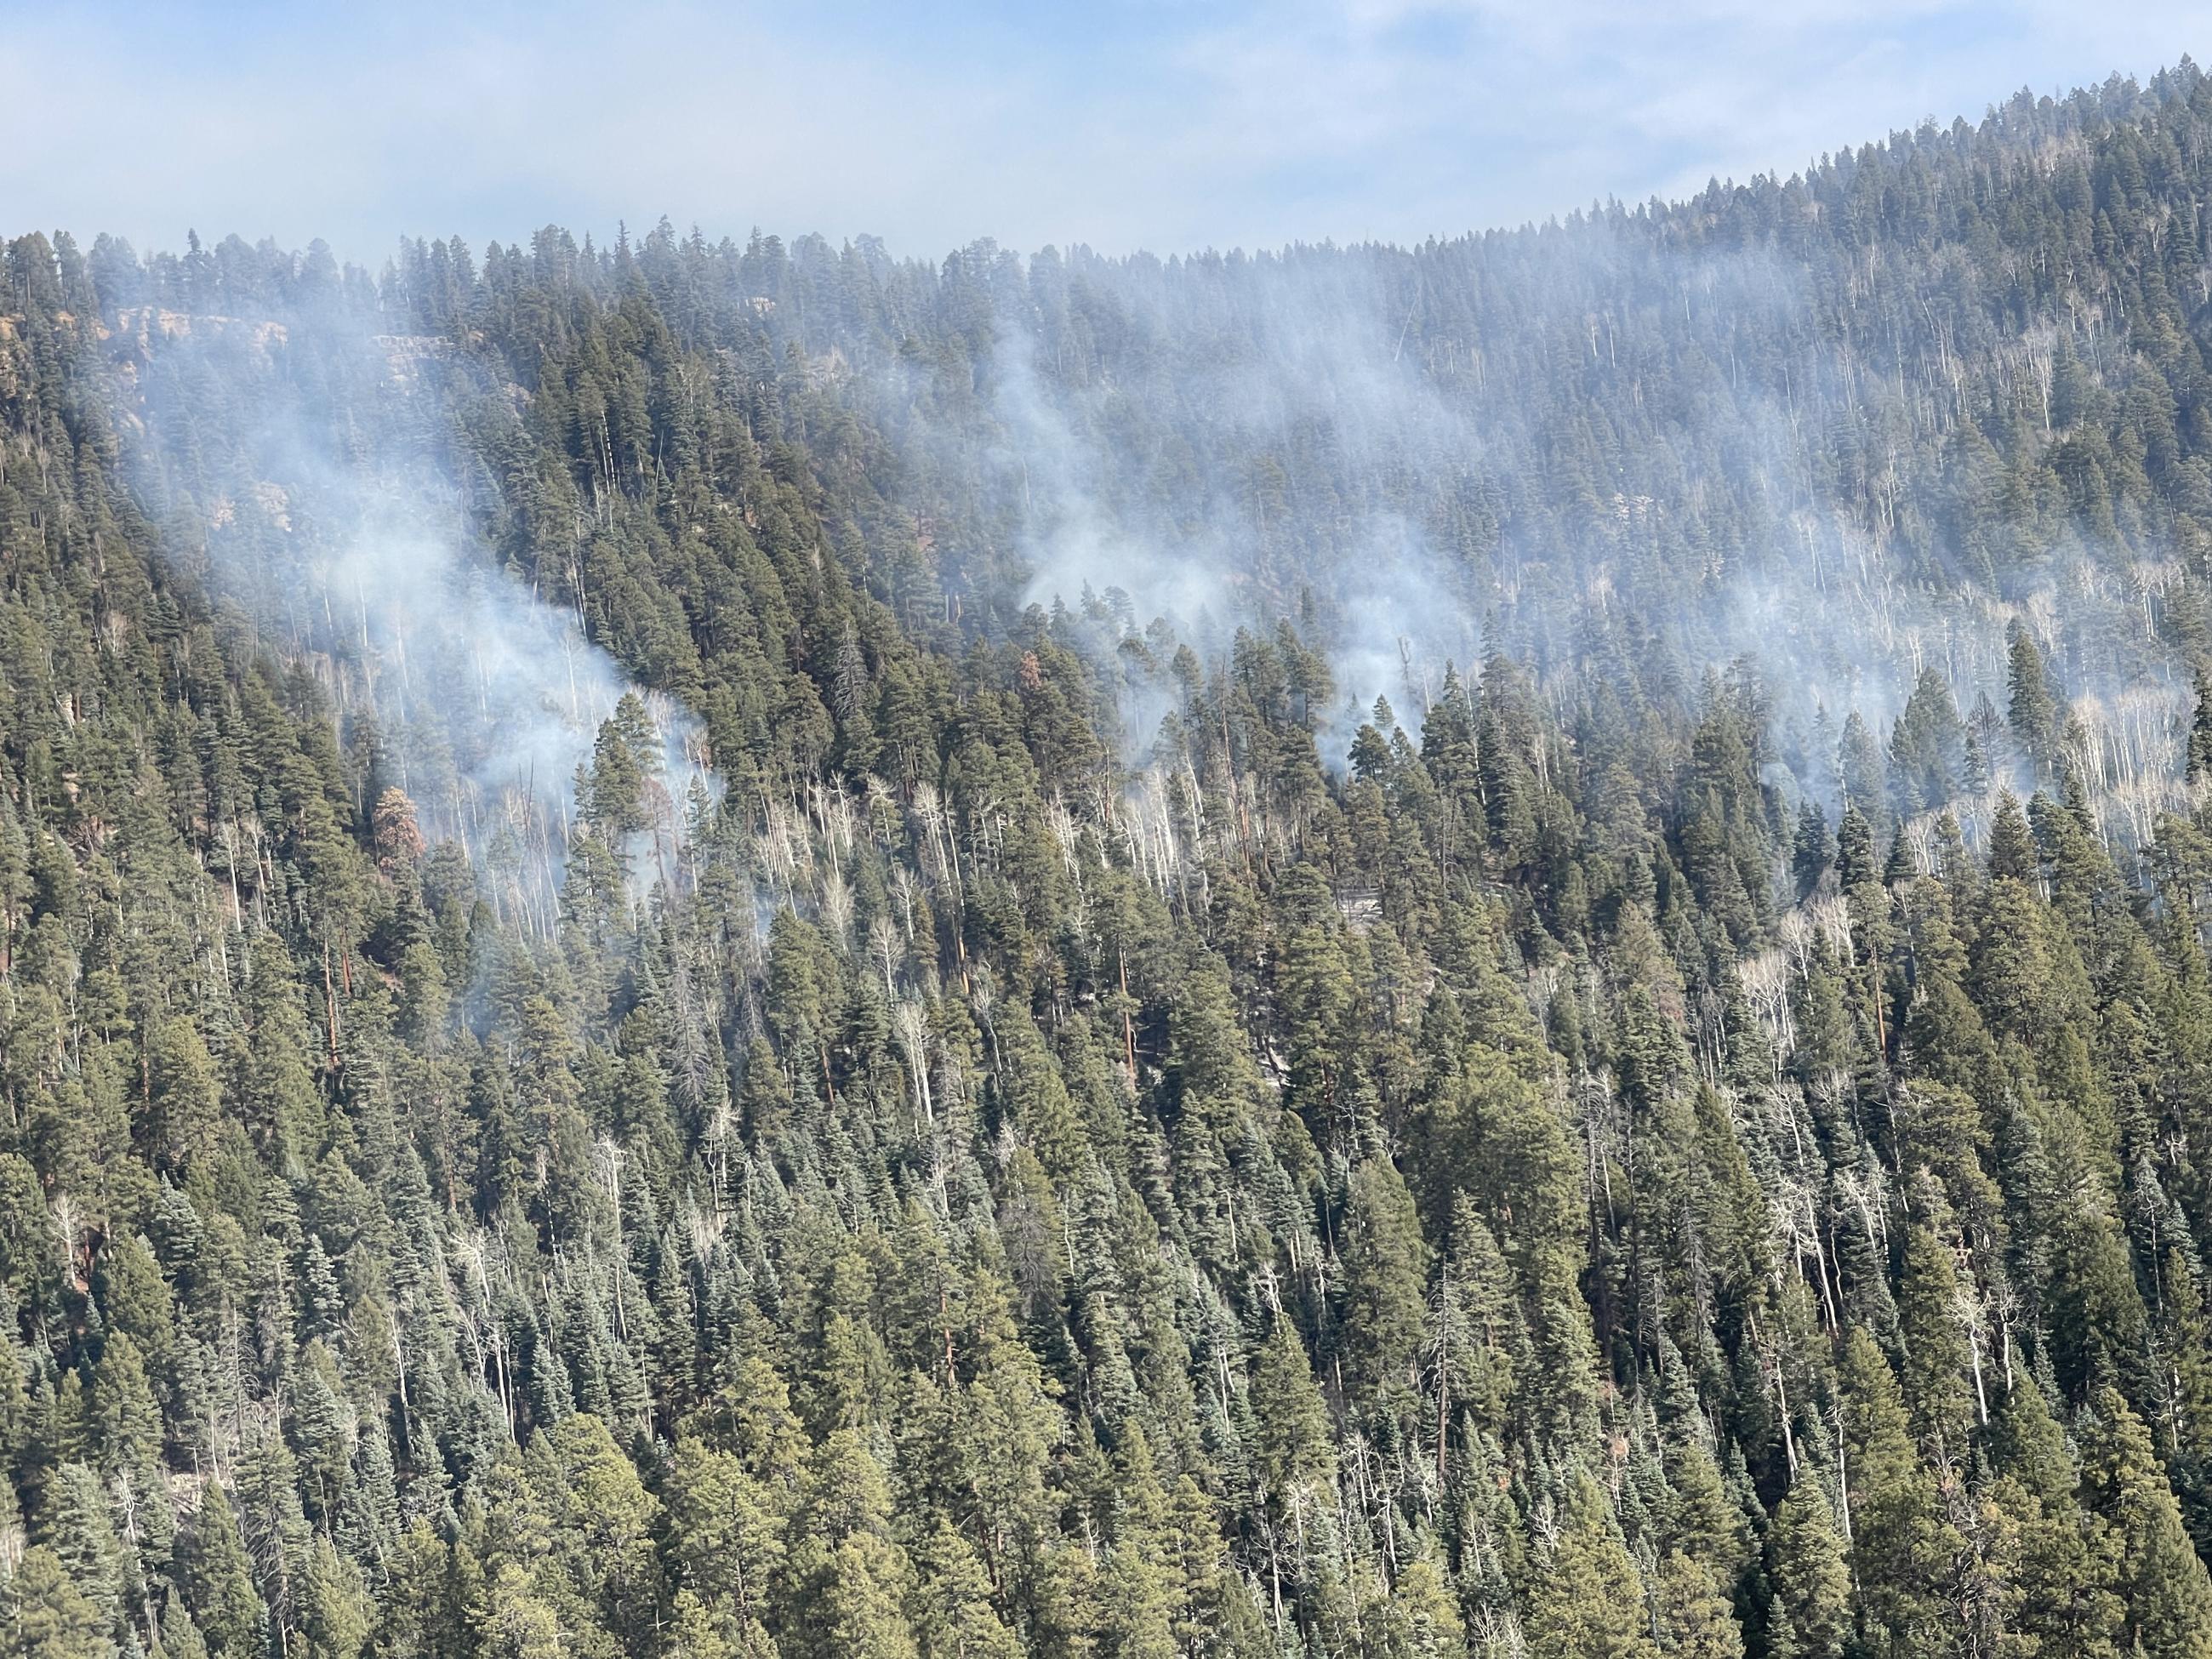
<point>1811,1579</point>
<point>1694,1619</point>
<point>519,1624</point>
<point>1901,1543</point>
<point>847,1580</point>
<point>1589,1602</point>
<point>1292,1449</point>
<point>2162,1581</point>
<point>1421,1616</point>
<point>2059,1560</point>
<point>1940,1364</point>
<point>48,1617</point>
<point>730,1542</point>
<point>1927,747</point>
<point>1385,1268</point>
<point>1029,1157</point>
<point>335,1613</point>
<point>2033,710</point>
<point>218,1580</point>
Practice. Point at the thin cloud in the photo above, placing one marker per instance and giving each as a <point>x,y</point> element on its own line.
<point>1119,125</point>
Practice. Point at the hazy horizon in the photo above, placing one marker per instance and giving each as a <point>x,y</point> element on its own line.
<point>1119,127</point>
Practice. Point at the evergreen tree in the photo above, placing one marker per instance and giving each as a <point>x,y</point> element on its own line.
<point>2034,711</point>
<point>48,1616</point>
<point>2162,1582</point>
<point>1902,1544</point>
<point>1811,1579</point>
<point>1589,1602</point>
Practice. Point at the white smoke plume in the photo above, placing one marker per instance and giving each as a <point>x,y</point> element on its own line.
<point>1155,455</point>
<point>312,464</point>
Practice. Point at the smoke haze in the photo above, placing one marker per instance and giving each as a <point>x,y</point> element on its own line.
<point>1226,442</point>
<point>342,512</point>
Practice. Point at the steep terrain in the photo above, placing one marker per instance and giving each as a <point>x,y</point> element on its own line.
<point>1497,948</point>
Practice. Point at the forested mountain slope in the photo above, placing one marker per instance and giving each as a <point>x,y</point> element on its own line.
<point>1061,1141</point>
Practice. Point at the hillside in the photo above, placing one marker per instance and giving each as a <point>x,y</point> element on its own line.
<point>1489,949</point>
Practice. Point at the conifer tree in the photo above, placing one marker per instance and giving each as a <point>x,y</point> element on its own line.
<point>1901,1542</point>
<point>2162,1582</point>
<point>1812,1585</point>
<point>1589,1603</point>
<point>48,1617</point>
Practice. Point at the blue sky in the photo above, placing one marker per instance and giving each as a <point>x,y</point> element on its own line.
<point>1171,125</point>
